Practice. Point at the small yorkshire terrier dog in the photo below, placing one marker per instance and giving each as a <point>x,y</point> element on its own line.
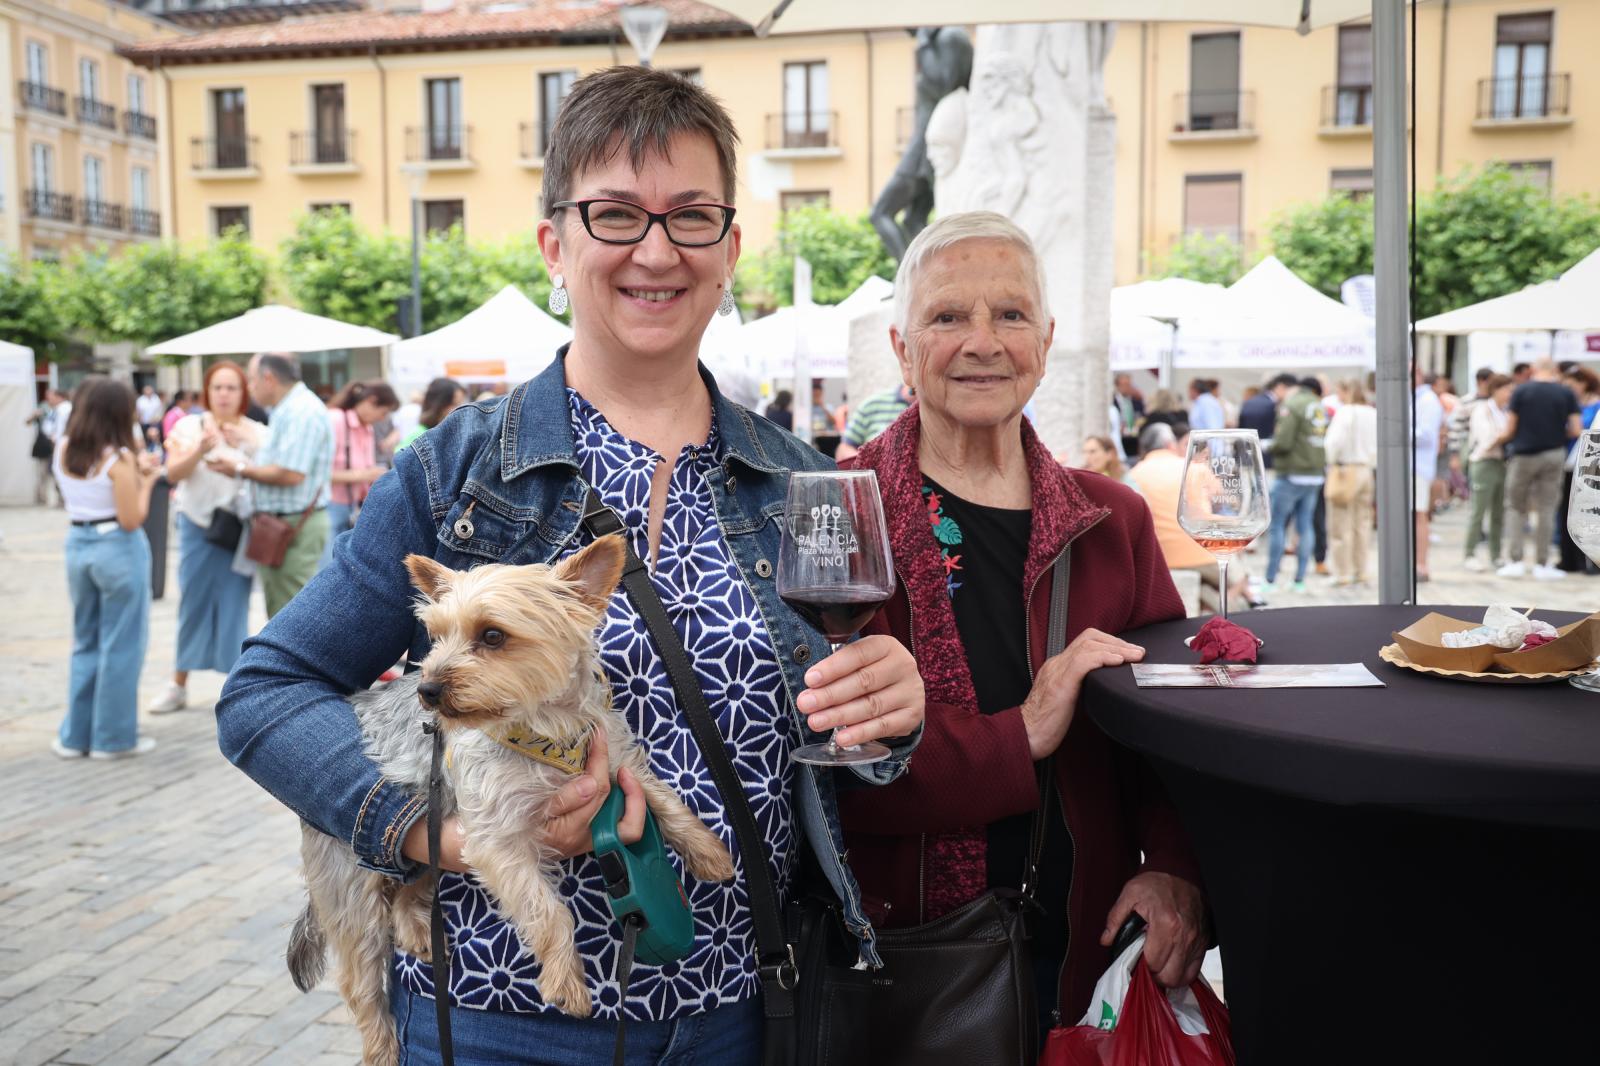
<point>514,680</point>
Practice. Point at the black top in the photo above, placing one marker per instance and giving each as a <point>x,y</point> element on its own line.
<point>1542,409</point>
<point>1518,753</point>
<point>986,551</point>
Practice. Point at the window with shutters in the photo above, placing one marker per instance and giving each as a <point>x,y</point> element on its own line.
<point>806,115</point>
<point>1214,100</point>
<point>1521,86</point>
<point>788,201</point>
<point>553,90</point>
<point>1533,172</point>
<point>440,215</point>
<point>1354,183</point>
<point>1213,205</point>
<point>445,133</point>
<point>1353,104</point>
<point>224,219</point>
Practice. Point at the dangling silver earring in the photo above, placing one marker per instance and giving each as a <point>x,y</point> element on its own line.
<point>725,306</point>
<point>558,295</point>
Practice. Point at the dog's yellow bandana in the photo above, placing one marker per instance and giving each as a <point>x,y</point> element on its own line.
<point>567,757</point>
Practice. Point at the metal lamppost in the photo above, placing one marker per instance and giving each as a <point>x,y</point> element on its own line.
<point>644,25</point>
<point>417,175</point>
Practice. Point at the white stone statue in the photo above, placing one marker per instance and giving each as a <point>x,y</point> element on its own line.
<point>1034,140</point>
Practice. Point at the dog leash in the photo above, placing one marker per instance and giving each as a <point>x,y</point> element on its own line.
<point>441,961</point>
<point>774,955</point>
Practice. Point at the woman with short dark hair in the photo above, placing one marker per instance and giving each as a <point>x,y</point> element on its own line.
<point>105,480</point>
<point>639,239</point>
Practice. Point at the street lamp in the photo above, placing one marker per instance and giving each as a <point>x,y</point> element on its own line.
<point>417,176</point>
<point>644,25</point>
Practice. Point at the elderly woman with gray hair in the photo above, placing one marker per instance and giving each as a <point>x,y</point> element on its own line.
<point>979,513</point>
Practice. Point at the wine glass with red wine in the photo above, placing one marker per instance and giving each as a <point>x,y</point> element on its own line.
<point>1223,503</point>
<point>835,569</point>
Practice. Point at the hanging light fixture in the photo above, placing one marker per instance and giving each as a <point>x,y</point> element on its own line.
<point>644,25</point>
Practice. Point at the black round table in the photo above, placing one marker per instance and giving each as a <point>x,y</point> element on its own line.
<point>1404,874</point>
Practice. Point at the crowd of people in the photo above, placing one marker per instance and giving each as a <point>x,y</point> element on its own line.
<point>252,440</point>
<point>1507,450</point>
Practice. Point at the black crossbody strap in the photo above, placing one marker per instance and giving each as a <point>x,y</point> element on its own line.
<point>775,956</point>
<point>1054,642</point>
<point>441,960</point>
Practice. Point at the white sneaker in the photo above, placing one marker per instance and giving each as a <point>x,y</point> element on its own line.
<point>176,698</point>
<point>1475,564</point>
<point>1512,570</point>
<point>144,746</point>
<point>64,751</point>
<point>1549,573</point>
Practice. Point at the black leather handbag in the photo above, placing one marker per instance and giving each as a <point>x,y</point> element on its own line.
<point>225,529</point>
<point>959,990</point>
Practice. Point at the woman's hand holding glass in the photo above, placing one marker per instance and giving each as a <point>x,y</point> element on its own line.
<point>869,690</point>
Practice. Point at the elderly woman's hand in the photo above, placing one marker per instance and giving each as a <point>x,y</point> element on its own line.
<point>1176,938</point>
<point>870,689</point>
<point>1053,700</point>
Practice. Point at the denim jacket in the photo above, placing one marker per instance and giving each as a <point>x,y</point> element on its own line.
<point>282,718</point>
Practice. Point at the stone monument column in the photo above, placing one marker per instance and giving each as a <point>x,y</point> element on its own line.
<point>1035,141</point>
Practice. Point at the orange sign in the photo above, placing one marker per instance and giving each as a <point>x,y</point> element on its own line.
<point>475,369</point>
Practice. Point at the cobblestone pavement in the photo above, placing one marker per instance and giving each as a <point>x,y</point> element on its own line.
<point>144,904</point>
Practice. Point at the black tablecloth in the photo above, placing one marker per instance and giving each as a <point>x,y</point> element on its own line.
<point>1397,875</point>
<point>1521,753</point>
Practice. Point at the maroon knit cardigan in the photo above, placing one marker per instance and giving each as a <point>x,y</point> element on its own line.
<point>917,846</point>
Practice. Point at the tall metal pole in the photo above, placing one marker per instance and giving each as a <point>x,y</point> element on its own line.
<point>416,266</point>
<point>1396,552</point>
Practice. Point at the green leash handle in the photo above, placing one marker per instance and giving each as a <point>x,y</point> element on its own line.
<point>642,884</point>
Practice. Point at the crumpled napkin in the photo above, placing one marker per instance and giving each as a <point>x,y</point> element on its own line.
<point>1503,627</point>
<point>1222,639</point>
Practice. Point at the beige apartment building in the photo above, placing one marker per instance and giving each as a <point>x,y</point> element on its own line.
<point>453,106</point>
<point>82,153</point>
<point>1220,127</point>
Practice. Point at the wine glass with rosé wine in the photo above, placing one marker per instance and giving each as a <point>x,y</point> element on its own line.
<point>1223,503</point>
<point>1583,516</point>
<point>835,569</point>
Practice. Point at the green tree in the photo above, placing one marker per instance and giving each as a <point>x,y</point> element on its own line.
<point>1479,235</point>
<point>843,251</point>
<point>1325,242</point>
<point>334,267</point>
<point>1202,257</point>
<point>30,307</point>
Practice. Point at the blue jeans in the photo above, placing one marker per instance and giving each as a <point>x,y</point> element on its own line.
<point>340,518</point>
<point>724,1036</point>
<point>108,576</point>
<point>1300,503</point>
<point>213,603</point>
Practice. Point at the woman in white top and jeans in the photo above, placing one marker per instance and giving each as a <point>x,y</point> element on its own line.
<point>1351,446</point>
<point>105,480</point>
<point>1487,468</point>
<point>214,604</point>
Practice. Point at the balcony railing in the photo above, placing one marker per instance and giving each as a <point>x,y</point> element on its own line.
<point>803,129</point>
<point>37,97</point>
<point>222,153</point>
<point>1214,111</point>
<point>101,214</point>
<point>313,148</point>
<point>1345,106</point>
<point>427,144</point>
<point>135,124</point>
<point>45,203</point>
<point>143,222</point>
<point>1529,97</point>
<point>95,112</point>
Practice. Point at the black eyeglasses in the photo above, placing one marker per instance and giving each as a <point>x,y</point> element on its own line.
<point>621,222</point>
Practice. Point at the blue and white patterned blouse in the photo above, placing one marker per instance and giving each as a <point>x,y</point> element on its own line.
<point>726,639</point>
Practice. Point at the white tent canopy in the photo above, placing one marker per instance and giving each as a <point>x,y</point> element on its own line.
<point>812,16</point>
<point>1571,302</point>
<point>273,328</point>
<point>1270,319</point>
<point>817,333</point>
<point>17,393</point>
<point>506,339</point>
<point>1164,298</point>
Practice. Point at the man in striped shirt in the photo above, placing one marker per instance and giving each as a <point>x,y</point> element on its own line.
<point>290,471</point>
<point>873,417</point>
